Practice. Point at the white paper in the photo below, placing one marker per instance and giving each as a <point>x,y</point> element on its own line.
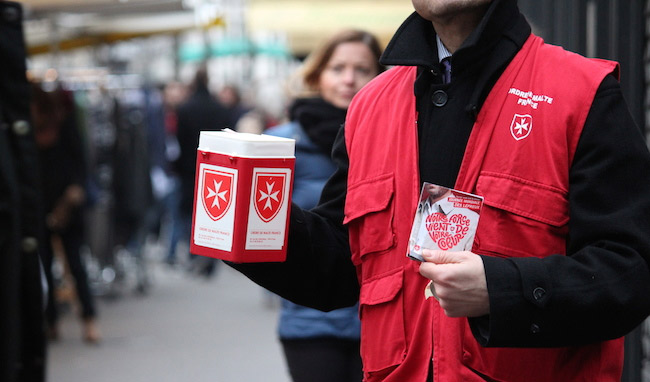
<point>216,196</point>
<point>268,208</point>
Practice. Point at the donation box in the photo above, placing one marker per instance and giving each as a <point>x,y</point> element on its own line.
<point>242,196</point>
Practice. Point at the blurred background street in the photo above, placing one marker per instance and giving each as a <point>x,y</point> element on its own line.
<point>113,75</point>
<point>185,328</point>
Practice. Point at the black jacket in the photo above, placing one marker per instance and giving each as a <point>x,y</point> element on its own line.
<point>22,340</point>
<point>609,192</point>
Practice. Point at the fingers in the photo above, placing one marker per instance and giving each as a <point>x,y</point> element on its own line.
<point>458,279</point>
<point>441,257</point>
<point>443,268</point>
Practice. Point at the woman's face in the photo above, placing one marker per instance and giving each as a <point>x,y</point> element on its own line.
<point>351,66</point>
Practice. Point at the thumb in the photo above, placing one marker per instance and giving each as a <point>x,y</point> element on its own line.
<point>439,257</point>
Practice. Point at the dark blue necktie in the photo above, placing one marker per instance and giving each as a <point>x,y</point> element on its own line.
<point>446,75</point>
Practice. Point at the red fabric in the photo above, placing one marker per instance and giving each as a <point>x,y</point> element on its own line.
<point>524,181</point>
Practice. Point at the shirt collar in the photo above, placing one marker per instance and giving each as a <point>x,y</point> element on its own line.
<point>443,52</point>
<point>415,42</point>
<point>443,205</point>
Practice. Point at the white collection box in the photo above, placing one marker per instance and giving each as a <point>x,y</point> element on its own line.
<point>242,197</point>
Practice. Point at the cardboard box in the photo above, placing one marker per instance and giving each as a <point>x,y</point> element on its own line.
<point>242,196</point>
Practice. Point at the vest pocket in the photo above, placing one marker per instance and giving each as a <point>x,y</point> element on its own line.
<point>520,217</point>
<point>369,211</point>
<point>383,340</point>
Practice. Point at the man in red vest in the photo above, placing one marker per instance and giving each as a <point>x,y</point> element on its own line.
<point>559,268</point>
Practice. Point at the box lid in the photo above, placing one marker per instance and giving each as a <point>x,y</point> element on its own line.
<point>245,144</point>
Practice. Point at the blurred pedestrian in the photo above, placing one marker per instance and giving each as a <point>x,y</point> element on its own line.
<point>324,346</point>
<point>201,111</point>
<point>174,93</point>
<point>63,178</point>
<point>22,324</point>
<point>131,185</point>
<point>230,98</point>
<point>255,121</point>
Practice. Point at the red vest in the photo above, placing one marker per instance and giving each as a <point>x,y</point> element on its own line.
<point>518,158</point>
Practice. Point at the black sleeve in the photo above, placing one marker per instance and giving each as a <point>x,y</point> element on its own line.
<point>318,272</point>
<point>600,290</point>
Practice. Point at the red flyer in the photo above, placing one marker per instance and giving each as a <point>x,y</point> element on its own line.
<point>445,219</point>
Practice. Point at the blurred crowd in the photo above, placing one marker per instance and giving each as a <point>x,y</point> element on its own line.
<point>96,173</point>
<point>97,170</point>
<point>117,170</point>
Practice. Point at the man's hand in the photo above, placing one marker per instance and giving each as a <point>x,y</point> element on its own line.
<point>458,279</point>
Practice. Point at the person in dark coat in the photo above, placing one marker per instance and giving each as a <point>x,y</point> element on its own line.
<point>63,179</point>
<point>200,112</point>
<point>22,324</point>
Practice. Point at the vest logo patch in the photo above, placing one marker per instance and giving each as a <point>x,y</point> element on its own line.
<point>521,126</point>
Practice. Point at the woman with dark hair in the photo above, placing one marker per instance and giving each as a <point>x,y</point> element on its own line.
<point>321,346</point>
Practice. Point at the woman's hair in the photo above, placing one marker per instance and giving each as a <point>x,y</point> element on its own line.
<point>316,62</point>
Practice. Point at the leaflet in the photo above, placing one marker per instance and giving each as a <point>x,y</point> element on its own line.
<point>445,219</point>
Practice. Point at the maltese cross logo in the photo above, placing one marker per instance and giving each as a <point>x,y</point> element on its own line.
<point>269,194</point>
<point>521,126</point>
<point>216,192</point>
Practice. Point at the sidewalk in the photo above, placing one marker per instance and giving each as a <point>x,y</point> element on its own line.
<point>185,328</point>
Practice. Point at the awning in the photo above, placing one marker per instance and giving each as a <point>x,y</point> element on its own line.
<point>69,24</point>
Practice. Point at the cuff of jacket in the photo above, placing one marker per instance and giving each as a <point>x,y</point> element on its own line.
<point>518,290</point>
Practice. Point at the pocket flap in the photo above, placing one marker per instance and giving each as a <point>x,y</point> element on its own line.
<point>370,195</point>
<point>525,198</point>
<point>382,288</point>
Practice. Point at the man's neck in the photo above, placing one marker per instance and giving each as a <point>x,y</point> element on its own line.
<point>454,30</point>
